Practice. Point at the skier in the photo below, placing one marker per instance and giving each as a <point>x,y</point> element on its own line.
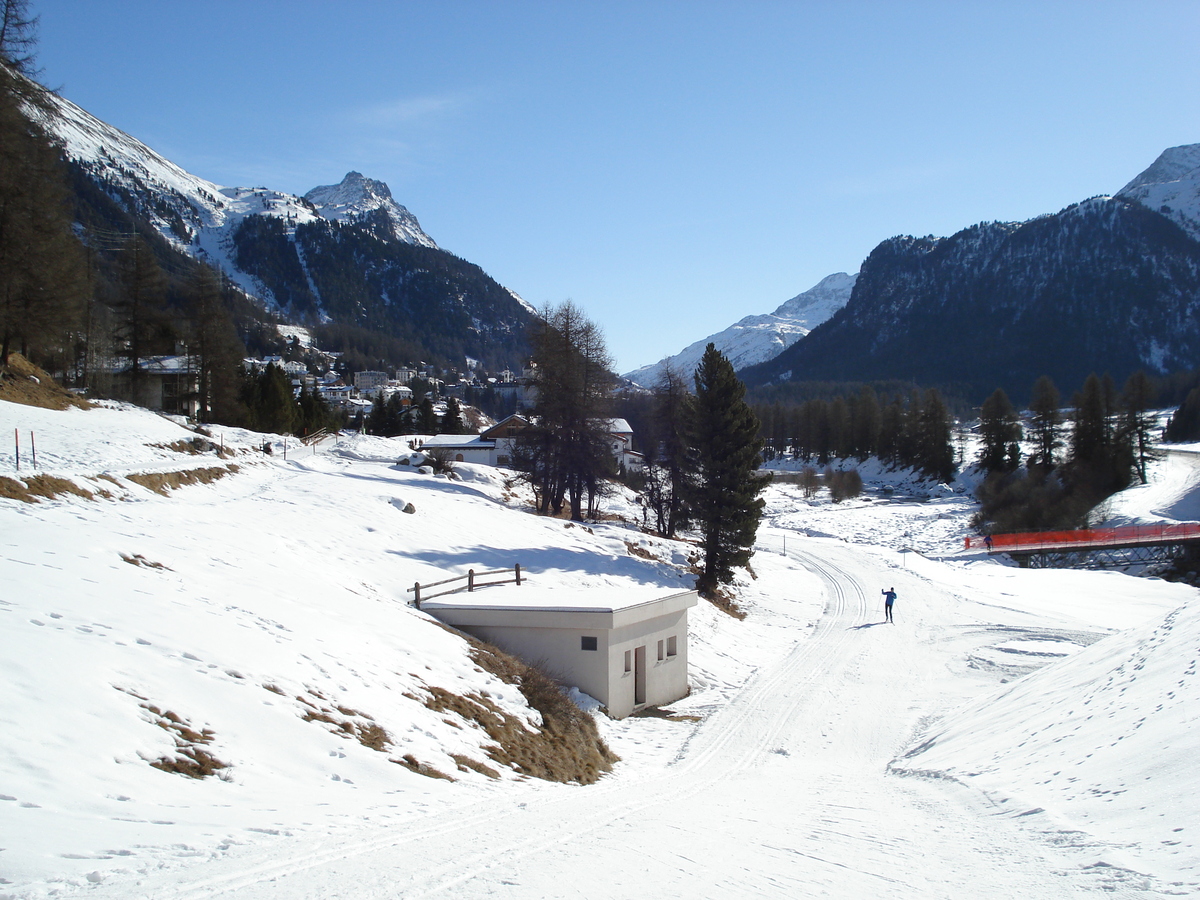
<point>889,597</point>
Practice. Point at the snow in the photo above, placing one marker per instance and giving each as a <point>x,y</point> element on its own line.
<point>1171,185</point>
<point>756,339</point>
<point>1017,732</point>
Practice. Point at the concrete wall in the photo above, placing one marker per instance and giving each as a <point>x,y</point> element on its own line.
<point>601,672</point>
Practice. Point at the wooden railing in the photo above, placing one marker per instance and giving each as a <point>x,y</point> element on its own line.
<point>472,582</point>
<point>314,438</point>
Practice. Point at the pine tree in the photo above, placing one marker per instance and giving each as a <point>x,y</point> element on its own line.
<point>1138,420</point>
<point>1045,423</point>
<point>452,422</point>
<point>723,460</point>
<point>1000,432</point>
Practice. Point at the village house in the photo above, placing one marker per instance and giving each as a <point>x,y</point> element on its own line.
<point>625,646</point>
<point>167,383</point>
<point>491,447</point>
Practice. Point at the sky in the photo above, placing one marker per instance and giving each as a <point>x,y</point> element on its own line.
<point>669,166</point>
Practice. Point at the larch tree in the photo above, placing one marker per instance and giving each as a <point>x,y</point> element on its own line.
<point>724,485</point>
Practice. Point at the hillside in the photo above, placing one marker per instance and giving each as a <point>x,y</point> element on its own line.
<point>256,609</point>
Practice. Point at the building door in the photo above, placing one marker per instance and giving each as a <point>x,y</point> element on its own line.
<point>639,676</point>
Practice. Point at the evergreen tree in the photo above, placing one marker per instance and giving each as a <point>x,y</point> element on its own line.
<point>1045,424</point>
<point>269,400</point>
<point>377,418</point>
<point>1091,437</point>
<point>1184,424</point>
<point>1138,420</point>
<point>934,439</point>
<point>452,421</point>
<point>1000,432</point>
<point>427,420</point>
<point>723,458</point>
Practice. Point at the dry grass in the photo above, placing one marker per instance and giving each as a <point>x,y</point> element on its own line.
<point>165,482</point>
<point>723,600</point>
<point>23,382</point>
<point>195,446</point>
<point>640,552</point>
<point>410,762</point>
<point>192,757</point>
<point>344,721</point>
<point>40,487</point>
<point>567,747</point>
<point>138,560</point>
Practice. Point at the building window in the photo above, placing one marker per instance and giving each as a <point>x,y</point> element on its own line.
<point>660,651</point>
<point>587,643</point>
<point>628,660</point>
<point>672,647</point>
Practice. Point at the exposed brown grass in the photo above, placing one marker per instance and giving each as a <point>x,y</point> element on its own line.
<point>40,487</point>
<point>640,552</point>
<point>723,600</point>
<point>138,560</point>
<point>344,721</point>
<point>165,482</point>
<point>567,747</point>
<point>465,764</point>
<point>23,382</point>
<point>192,758</point>
<point>410,762</point>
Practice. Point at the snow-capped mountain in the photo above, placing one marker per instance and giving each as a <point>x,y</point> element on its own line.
<point>1111,284</point>
<point>347,254</point>
<point>357,197</point>
<point>756,339</point>
<point>1171,186</point>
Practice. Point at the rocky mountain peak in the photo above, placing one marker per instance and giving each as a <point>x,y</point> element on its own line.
<point>357,196</point>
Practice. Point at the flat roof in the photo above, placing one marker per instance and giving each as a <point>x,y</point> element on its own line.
<point>558,606</point>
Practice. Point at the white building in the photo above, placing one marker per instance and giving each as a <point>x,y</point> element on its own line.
<point>370,382</point>
<point>627,647</point>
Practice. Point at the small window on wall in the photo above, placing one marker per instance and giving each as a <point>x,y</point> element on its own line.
<point>660,651</point>
<point>587,643</point>
<point>628,660</point>
<point>672,647</point>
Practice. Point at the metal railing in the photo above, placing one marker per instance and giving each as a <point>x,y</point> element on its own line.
<point>1119,536</point>
<point>472,582</point>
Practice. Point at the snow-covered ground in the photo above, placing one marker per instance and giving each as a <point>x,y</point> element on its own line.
<point>1016,733</point>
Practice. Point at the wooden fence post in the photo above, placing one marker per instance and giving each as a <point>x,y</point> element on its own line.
<point>417,593</point>
<point>470,580</point>
<point>517,567</point>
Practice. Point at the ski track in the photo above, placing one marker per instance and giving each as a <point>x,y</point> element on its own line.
<point>790,778</point>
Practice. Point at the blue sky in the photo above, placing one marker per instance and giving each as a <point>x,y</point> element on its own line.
<point>669,166</point>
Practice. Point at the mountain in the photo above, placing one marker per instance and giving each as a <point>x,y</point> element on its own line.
<point>342,255</point>
<point>756,339</point>
<point>1110,284</point>
<point>1172,187</point>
